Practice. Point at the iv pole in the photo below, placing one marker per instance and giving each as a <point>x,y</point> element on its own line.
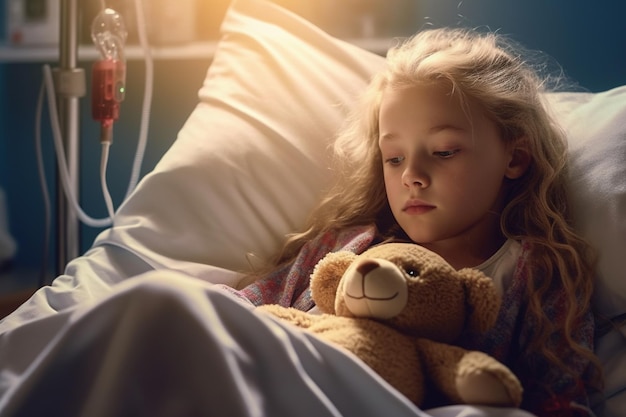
<point>70,86</point>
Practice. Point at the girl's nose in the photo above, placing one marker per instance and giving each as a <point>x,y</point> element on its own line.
<point>416,176</point>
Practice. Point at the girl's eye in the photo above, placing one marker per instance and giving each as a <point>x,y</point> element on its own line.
<point>446,154</point>
<point>395,160</point>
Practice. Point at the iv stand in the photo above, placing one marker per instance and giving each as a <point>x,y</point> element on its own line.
<point>70,86</point>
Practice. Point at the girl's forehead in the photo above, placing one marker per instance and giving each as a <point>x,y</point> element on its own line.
<point>432,101</point>
<point>427,109</point>
<point>442,93</point>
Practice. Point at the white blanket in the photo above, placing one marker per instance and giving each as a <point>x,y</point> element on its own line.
<point>165,344</point>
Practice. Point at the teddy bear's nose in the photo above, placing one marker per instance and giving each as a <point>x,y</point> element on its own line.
<point>367,266</point>
<point>374,288</point>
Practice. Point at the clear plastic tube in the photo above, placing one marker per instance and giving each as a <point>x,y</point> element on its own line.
<point>104,158</point>
<point>60,152</point>
<point>44,188</point>
<point>147,99</point>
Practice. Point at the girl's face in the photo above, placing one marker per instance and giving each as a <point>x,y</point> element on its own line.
<point>444,170</point>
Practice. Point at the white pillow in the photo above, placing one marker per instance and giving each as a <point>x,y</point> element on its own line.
<point>250,161</point>
<point>596,131</point>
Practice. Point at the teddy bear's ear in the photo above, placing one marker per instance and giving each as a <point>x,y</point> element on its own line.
<point>325,279</point>
<point>482,299</point>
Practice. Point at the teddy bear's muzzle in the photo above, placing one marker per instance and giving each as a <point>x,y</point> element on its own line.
<point>374,288</point>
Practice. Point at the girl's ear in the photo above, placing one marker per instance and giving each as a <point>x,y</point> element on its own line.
<point>519,160</point>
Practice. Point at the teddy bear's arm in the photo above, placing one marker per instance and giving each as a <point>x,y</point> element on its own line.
<point>292,315</point>
<point>469,377</point>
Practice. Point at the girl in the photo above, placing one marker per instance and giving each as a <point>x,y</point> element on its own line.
<point>453,149</point>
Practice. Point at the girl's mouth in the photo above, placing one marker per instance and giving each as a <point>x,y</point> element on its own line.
<point>417,207</point>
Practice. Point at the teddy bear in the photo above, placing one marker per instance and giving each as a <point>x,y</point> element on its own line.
<point>400,308</point>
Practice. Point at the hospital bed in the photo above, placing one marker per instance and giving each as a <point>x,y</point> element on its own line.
<point>135,325</point>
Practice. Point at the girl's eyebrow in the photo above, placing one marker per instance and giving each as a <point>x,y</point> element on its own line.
<point>387,137</point>
<point>434,129</point>
<point>446,126</point>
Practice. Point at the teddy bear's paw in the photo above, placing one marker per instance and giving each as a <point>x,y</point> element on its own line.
<point>288,314</point>
<point>483,380</point>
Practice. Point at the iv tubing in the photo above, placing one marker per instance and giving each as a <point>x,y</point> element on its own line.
<point>103,178</point>
<point>48,88</point>
<point>44,189</point>
<point>147,99</point>
<point>141,145</point>
<point>61,160</point>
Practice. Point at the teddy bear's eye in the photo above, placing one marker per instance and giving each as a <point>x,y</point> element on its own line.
<point>412,271</point>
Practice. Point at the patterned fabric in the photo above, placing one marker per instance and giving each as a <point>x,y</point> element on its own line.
<point>289,287</point>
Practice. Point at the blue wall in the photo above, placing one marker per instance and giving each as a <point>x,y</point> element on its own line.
<point>3,170</point>
<point>3,148</point>
<point>587,38</point>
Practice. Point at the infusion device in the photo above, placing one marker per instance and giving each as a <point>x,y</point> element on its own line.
<point>108,85</point>
<point>108,88</point>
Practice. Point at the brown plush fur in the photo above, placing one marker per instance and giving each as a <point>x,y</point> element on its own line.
<point>400,307</point>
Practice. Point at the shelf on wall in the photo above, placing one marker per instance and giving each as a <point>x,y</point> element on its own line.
<point>195,50</point>
<point>89,53</point>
